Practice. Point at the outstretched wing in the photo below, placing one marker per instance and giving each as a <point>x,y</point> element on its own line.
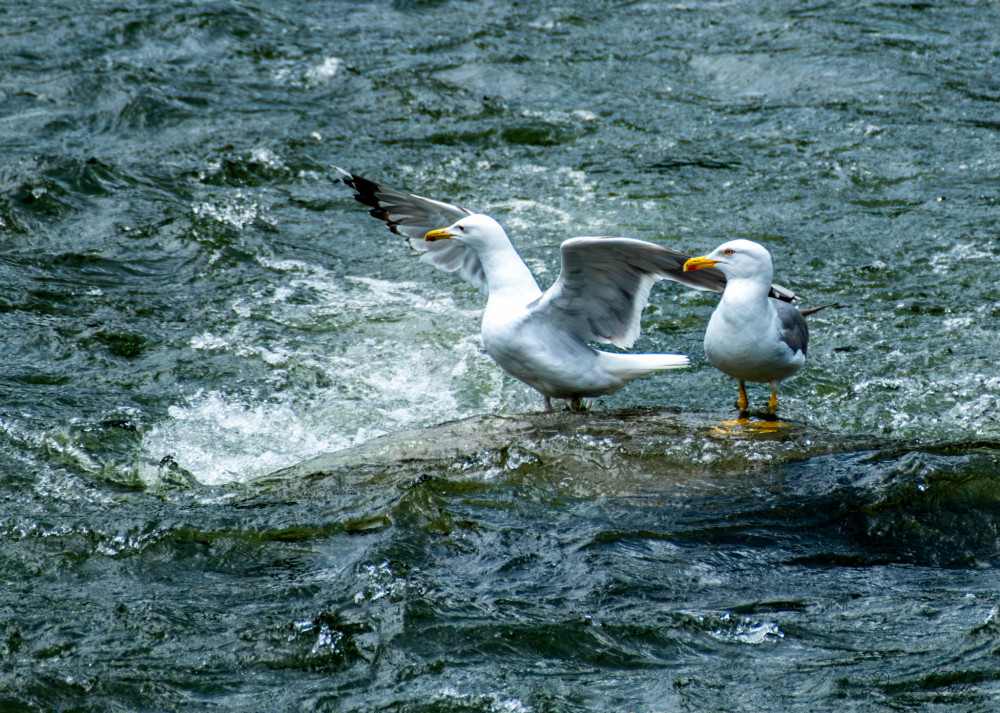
<point>413,217</point>
<point>604,285</point>
<point>605,282</point>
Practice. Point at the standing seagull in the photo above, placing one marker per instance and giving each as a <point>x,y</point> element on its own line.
<point>752,336</point>
<point>541,337</point>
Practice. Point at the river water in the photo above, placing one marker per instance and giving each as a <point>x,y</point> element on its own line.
<point>216,490</point>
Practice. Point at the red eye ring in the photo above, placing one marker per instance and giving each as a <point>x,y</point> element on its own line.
<point>729,251</point>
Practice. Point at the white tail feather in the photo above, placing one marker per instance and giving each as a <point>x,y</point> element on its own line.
<point>632,366</point>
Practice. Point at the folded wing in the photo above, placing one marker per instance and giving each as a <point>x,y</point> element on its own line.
<point>794,330</point>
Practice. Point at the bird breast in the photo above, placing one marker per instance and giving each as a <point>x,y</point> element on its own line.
<point>749,347</point>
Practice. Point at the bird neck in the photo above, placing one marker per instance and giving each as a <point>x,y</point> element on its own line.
<point>742,293</point>
<point>506,274</point>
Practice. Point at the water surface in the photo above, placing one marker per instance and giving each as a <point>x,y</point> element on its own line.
<point>190,304</point>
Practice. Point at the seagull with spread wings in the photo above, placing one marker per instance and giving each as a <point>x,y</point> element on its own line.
<point>541,338</point>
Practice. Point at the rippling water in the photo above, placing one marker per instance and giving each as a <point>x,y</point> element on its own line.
<point>190,304</point>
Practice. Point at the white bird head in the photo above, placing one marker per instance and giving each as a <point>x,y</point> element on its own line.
<point>480,232</point>
<point>737,260</point>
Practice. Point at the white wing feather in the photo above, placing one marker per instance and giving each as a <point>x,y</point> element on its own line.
<point>413,217</point>
<point>604,286</point>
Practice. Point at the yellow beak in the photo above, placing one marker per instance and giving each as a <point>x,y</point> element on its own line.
<point>697,263</point>
<point>439,234</point>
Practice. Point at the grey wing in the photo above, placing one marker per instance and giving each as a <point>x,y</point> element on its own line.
<point>668,264</point>
<point>711,279</point>
<point>413,217</point>
<point>794,330</point>
<point>604,285</point>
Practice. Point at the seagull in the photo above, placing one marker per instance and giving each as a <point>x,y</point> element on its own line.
<point>541,338</point>
<point>752,336</point>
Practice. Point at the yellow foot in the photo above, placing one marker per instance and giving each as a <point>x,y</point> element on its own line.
<point>743,402</point>
<point>772,403</point>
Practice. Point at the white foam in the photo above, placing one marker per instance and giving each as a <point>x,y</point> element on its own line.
<point>220,439</point>
<point>293,74</point>
<point>945,261</point>
<point>266,157</point>
<point>524,214</point>
<point>324,70</point>
<point>223,437</point>
<point>238,211</point>
<point>386,356</point>
<point>498,703</point>
<point>208,342</point>
<point>747,632</point>
<point>913,405</point>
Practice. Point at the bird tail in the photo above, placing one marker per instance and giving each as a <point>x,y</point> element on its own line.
<point>632,366</point>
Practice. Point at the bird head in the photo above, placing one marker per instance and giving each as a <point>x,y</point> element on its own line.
<point>477,231</point>
<point>737,259</point>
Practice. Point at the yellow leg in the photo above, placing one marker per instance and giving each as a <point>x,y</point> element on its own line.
<point>772,403</point>
<point>744,402</point>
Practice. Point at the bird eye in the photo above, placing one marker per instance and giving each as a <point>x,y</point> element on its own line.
<point>729,251</point>
<point>462,228</point>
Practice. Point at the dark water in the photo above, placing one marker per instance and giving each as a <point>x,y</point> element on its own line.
<point>188,304</point>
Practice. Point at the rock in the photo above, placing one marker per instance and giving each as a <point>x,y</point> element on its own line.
<point>589,454</point>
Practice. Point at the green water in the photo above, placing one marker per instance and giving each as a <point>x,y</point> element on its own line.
<point>189,305</point>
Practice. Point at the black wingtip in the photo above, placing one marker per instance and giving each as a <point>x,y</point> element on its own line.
<point>364,189</point>
<point>365,193</point>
